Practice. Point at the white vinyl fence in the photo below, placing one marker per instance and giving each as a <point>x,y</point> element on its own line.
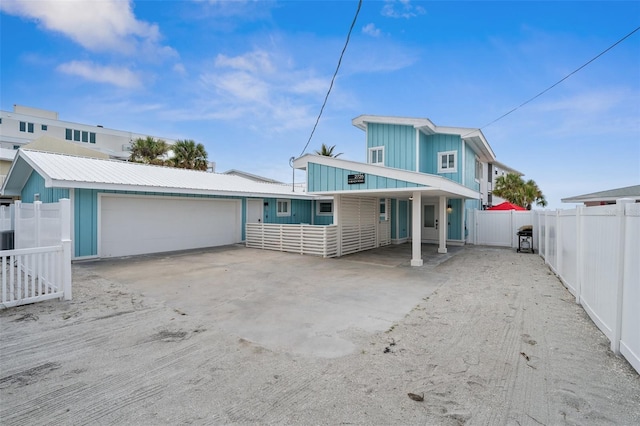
<point>39,268</point>
<point>6,218</point>
<point>595,251</point>
<point>318,240</point>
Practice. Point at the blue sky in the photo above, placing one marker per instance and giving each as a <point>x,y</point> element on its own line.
<point>247,79</point>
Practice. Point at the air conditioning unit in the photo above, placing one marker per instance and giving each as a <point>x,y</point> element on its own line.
<point>6,240</point>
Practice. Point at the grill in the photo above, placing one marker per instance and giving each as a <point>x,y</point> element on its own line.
<point>525,239</point>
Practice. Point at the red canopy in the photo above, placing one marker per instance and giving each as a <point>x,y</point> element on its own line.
<point>506,206</point>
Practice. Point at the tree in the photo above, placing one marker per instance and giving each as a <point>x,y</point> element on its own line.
<point>327,151</point>
<point>514,189</point>
<point>189,155</point>
<point>149,151</point>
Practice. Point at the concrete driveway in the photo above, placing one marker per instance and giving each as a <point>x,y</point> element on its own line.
<point>285,302</point>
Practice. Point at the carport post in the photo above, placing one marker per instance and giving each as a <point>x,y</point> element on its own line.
<point>337,220</point>
<point>416,230</point>
<point>442,231</point>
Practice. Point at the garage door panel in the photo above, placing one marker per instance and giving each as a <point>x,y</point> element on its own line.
<point>139,225</point>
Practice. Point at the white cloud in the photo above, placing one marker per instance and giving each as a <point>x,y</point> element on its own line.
<point>370,29</point>
<point>401,9</point>
<point>117,76</point>
<point>105,25</point>
<point>257,61</point>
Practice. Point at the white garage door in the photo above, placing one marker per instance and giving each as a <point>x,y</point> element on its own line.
<point>139,225</point>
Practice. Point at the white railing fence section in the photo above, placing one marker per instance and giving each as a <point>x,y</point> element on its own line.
<point>37,224</point>
<point>595,251</point>
<point>317,240</point>
<point>33,273</point>
<point>499,228</point>
<point>6,218</point>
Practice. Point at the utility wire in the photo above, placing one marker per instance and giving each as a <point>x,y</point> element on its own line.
<point>560,81</point>
<point>333,78</point>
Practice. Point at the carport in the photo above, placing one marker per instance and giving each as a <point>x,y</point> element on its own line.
<point>364,195</point>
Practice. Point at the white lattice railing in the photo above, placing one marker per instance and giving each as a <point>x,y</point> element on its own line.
<point>317,240</point>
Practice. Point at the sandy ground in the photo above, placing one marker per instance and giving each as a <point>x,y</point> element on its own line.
<point>499,342</point>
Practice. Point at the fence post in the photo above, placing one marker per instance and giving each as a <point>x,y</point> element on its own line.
<point>65,232</point>
<point>617,330</point>
<point>17,229</point>
<point>558,245</point>
<point>579,253</point>
<point>546,237</point>
<point>37,219</point>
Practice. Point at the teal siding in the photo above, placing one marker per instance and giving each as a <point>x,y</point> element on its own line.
<point>323,178</point>
<point>470,169</point>
<point>35,185</point>
<point>431,145</point>
<point>399,144</point>
<point>454,219</point>
<point>320,219</point>
<point>85,226</point>
<point>403,227</point>
<point>300,211</point>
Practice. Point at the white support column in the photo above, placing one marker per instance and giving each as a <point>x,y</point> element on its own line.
<point>442,228</point>
<point>416,230</point>
<point>337,221</point>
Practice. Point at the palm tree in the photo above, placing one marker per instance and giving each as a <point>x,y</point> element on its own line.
<point>148,151</point>
<point>327,151</point>
<point>189,155</point>
<point>514,189</point>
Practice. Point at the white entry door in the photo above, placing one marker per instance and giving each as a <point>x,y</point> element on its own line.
<point>255,210</point>
<point>430,221</point>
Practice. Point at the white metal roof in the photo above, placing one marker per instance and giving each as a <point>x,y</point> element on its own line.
<point>67,171</point>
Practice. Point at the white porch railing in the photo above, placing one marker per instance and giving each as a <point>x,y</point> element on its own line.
<point>34,275</point>
<point>317,240</point>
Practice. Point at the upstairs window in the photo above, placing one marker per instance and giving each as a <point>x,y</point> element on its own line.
<point>448,162</point>
<point>283,208</point>
<point>92,137</point>
<point>376,155</point>
<point>478,169</point>
<point>23,126</point>
<point>324,208</point>
<point>68,134</point>
<point>76,135</point>
<point>44,127</point>
<point>30,127</point>
<point>85,136</point>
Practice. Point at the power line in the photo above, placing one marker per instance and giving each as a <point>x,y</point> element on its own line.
<point>560,81</point>
<point>334,77</point>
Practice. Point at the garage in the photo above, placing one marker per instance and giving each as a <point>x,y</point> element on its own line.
<point>131,225</point>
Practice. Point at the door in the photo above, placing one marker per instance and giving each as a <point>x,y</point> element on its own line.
<point>430,221</point>
<point>255,210</point>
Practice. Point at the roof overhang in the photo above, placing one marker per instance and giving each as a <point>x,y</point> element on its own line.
<point>427,184</point>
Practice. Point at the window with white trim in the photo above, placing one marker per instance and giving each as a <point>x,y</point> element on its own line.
<point>376,155</point>
<point>283,208</point>
<point>324,208</point>
<point>448,162</point>
<point>478,170</point>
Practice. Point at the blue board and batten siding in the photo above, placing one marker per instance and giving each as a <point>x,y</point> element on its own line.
<point>323,178</point>
<point>399,142</point>
<point>470,169</point>
<point>431,145</point>
<point>35,185</point>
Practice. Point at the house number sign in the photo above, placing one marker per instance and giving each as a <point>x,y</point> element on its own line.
<point>357,178</point>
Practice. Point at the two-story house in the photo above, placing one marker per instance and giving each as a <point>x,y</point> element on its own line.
<point>420,182</point>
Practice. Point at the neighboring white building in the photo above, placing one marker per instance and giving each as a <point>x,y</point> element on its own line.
<point>26,124</point>
<point>492,171</point>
